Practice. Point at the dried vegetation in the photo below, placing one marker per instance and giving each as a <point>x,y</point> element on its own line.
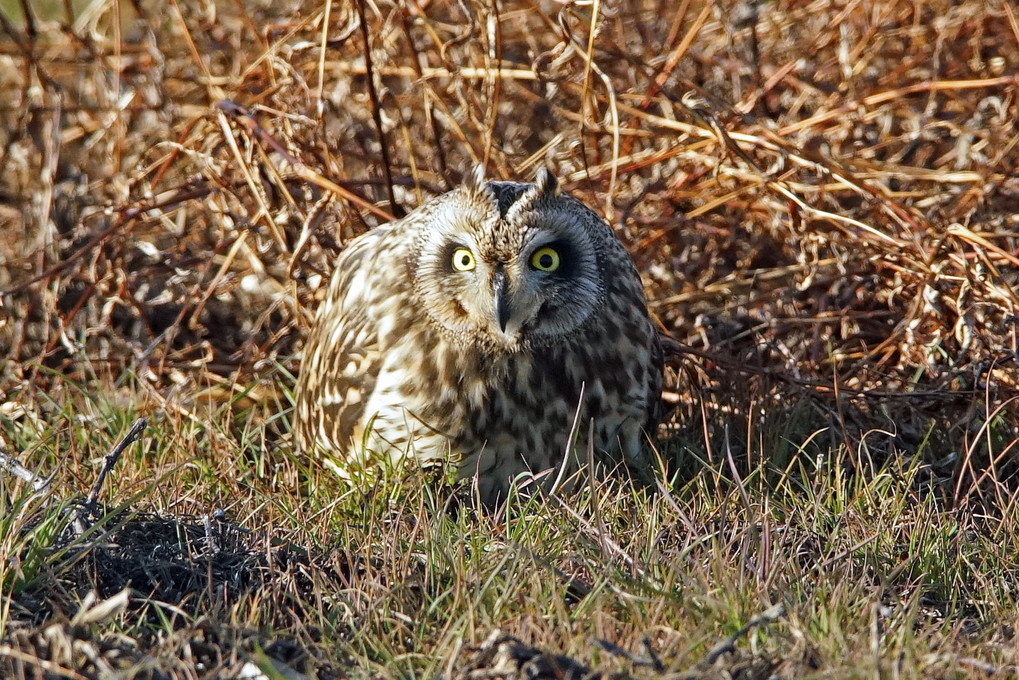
<point>823,199</point>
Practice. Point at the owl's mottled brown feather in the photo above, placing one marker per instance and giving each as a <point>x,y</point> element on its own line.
<point>486,366</point>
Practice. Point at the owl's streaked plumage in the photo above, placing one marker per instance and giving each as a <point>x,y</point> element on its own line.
<point>473,329</point>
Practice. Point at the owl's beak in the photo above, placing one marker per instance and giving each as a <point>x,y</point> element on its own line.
<point>500,289</point>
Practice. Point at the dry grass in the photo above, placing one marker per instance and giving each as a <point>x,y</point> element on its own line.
<point>822,198</point>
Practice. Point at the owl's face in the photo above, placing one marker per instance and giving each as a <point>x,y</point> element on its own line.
<point>513,265</point>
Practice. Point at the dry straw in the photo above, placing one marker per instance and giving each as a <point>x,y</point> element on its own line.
<point>822,199</point>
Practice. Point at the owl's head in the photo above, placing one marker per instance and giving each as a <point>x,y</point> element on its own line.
<point>511,265</point>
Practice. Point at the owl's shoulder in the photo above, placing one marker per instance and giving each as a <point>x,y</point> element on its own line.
<point>374,263</point>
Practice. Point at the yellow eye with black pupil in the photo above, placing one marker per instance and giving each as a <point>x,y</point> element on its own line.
<point>545,259</point>
<point>463,260</point>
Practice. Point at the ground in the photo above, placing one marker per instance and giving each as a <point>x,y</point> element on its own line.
<point>822,199</point>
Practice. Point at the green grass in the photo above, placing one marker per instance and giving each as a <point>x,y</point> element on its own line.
<point>876,574</point>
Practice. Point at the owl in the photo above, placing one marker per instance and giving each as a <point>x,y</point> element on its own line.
<point>497,327</point>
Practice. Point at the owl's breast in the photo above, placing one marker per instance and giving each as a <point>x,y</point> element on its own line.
<point>500,414</point>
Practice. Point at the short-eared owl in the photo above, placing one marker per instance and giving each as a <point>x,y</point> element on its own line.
<point>473,330</point>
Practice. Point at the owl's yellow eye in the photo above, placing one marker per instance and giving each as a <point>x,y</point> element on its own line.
<point>545,259</point>
<point>463,260</point>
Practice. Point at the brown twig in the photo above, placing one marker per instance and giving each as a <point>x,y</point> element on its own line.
<point>376,108</point>
<point>109,462</point>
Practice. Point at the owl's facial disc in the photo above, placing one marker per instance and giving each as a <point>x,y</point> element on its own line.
<point>510,266</point>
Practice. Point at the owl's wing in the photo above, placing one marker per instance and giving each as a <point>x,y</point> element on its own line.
<point>342,357</point>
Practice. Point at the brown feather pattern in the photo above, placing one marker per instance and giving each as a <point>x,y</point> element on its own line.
<point>411,346</point>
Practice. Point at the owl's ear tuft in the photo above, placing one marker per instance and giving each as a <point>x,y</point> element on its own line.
<point>547,183</point>
<point>474,179</point>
